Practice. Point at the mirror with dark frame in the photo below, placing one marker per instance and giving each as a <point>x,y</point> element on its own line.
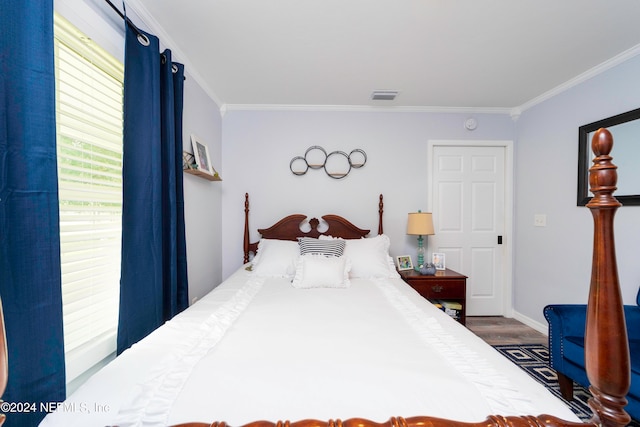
<point>625,129</point>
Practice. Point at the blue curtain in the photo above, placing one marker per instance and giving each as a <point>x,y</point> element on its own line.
<point>153,284</point>
<point>30,283</point>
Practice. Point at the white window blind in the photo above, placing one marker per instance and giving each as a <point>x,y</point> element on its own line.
<point>89,89</point>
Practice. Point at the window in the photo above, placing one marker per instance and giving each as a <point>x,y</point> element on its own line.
<point>89,90</point>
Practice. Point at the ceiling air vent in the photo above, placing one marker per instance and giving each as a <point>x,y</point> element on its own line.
<point>384,95</point>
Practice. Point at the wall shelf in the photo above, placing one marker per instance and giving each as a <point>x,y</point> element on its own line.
<point>189,166</point>
<point>207,176</point>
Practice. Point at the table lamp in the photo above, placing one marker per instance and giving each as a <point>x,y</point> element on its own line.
<point>420,224</point>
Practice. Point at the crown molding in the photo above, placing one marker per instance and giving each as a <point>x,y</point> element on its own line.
<point>365,108</point>
<point>598,69</point>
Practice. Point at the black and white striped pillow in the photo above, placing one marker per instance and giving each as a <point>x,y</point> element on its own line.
<point>310,245</point>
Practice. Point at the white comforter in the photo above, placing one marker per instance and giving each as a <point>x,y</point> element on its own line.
<point>258,348</point>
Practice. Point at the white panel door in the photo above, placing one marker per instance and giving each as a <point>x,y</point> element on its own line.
<point>468,209</point>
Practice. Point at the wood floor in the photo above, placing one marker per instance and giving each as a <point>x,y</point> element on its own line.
<point>500,330</point>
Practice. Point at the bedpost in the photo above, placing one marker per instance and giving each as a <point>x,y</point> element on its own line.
<point>246,228</point>
<point>606,345</point>
<point>380,210</point>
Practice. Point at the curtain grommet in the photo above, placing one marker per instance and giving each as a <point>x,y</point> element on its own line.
<point>143,39</point>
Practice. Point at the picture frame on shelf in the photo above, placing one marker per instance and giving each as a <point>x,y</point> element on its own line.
<point>201,155</point>
<point>403,262</point>
<point>438,260</point>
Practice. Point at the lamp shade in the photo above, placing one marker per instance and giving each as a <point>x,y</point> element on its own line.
<point>420,224</point>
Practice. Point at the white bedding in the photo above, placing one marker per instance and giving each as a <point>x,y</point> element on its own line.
<point>258,348</point>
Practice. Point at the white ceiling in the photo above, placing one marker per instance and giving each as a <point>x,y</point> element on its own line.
<point>439,54</point>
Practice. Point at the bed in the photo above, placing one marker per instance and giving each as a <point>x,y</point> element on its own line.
<point>318,325</point>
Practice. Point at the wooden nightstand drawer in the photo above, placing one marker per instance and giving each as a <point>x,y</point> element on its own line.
<point>440,289</point>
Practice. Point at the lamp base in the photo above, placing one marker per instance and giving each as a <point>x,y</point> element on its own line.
<point>420,252</point>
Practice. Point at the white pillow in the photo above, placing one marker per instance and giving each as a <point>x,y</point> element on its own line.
<point>276,258</point>
<point>370,257</point>
<point>319,271</point>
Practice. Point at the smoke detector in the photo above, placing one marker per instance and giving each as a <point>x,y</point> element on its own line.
<point>384,95</point>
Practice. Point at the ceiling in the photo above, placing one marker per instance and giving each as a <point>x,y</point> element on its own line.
<point>485,55</point>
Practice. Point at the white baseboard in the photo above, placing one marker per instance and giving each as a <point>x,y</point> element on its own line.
<point>540,327</point>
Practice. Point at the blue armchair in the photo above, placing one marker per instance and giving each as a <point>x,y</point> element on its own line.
<point>566,348</point>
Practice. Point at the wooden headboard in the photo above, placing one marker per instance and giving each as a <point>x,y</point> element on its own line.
<point>607,354</point>
<point>288,228</point>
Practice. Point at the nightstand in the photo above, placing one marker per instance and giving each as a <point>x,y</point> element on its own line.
<point>445,285</point>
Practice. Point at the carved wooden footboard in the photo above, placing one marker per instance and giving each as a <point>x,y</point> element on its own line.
<point>607,353</point>
<point>491,421</point>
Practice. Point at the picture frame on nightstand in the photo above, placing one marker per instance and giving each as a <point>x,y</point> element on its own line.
<point>438,259</point>
<point>403,262</point>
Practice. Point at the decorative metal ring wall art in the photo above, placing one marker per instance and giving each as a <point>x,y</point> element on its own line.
<point>336,164</point>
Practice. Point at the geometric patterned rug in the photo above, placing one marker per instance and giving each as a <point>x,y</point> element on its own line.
<point>533,359</point>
